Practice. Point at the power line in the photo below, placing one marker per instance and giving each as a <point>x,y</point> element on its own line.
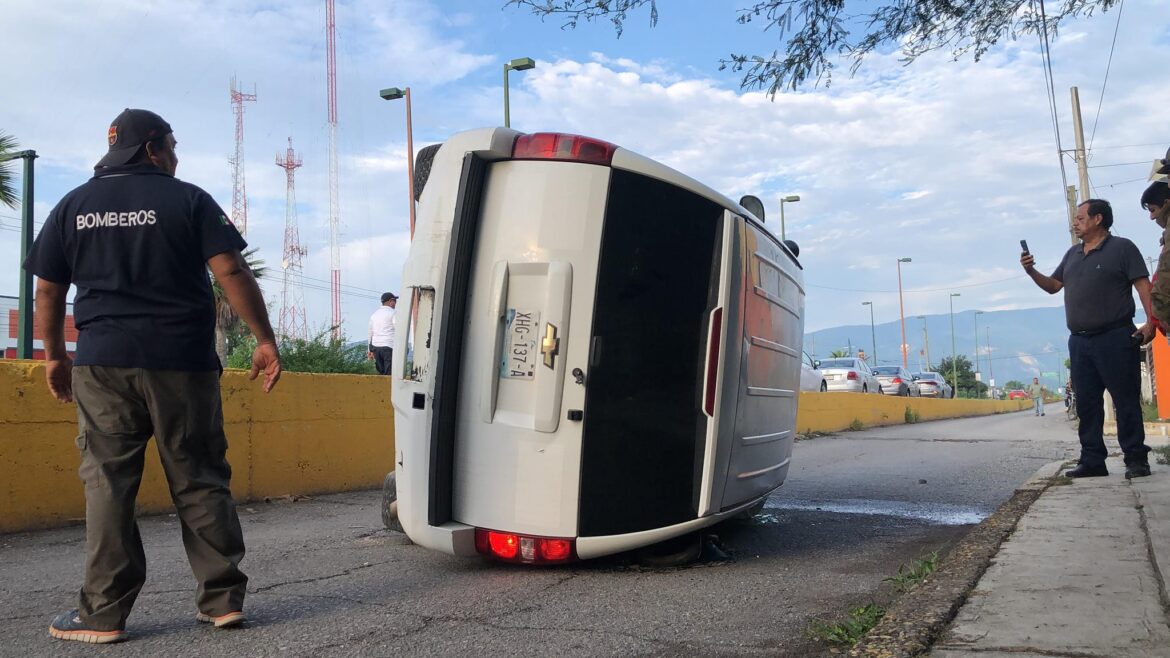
<point>1119,164</point>
<point>1049,79</point>
<point>1108,65</point>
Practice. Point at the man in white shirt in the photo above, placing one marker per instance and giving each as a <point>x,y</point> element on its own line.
<point>382,333</point>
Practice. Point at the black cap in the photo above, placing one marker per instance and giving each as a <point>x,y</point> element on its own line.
<point>1165,169</point>
<point>128,132</point>
<point>387,296</point>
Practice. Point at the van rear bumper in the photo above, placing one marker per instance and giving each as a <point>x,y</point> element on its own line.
<point>450,538</point>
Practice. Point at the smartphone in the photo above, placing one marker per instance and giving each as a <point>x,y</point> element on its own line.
<point>1024,246</point>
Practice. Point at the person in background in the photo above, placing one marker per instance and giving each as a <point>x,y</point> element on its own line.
<point>381,341</point>
<point>1037,392</point>
<point>1098,277</point>
<point>137,243</point>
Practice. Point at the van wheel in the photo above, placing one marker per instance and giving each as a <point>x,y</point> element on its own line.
<point>422,168</point>
<point>390,503</point>
<point>824,386</point>
<point>676,552</point>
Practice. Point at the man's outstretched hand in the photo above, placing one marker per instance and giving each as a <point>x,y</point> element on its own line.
<point>266,358</point>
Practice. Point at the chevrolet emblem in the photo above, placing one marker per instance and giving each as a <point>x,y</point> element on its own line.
<point>550,346</point>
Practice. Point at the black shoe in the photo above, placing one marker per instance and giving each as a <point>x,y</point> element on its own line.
<point>1137,471</point>
<point>1083,471</point>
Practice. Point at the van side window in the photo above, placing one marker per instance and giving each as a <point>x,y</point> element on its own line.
<point>417,364</point>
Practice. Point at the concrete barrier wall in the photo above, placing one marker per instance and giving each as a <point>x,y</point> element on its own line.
<point>832,412</point>
<point>313,434</point>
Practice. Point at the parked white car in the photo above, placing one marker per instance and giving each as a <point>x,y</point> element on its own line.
<point>811,377</point>
<point>896,380</point>
<point>851,375</point>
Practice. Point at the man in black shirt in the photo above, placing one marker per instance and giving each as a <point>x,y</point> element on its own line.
<point>137,243</point>
<point>1096,277</point>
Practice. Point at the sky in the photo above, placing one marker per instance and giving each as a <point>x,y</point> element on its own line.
<point>949,163</point>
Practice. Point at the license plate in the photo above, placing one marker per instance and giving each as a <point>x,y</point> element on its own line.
<point>832,378</point>
<point>521,351</point>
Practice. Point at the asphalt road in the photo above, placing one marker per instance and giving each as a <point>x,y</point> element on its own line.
<point>327,580</point>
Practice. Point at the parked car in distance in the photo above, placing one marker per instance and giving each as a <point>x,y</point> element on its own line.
<point>933,385</point>
<point>896,380</point>
<point>851,375</point>
<point>1018,394</point>
<point>811,377</point>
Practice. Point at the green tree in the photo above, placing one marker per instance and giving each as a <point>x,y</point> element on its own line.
<point>967,386</point>
<point>1015,384</point>
<point>229,332</point>
<point>321,353</point>
<point>812,33</point>
<point>8,194</point>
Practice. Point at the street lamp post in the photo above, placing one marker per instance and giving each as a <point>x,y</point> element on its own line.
<point>872,334</point>
<point>24,322</point>
<point>519,64</point>
<point>791,198</point>
<point>394,93</point>
<point>954,355</point>
<point>977,314</point>
<point>925,341</point>
<point>902,310</point>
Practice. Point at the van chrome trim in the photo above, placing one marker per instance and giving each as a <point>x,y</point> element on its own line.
<point>775,347</point>
<point>765,438</point>
<point>770,392</point>
<point>763,471</point>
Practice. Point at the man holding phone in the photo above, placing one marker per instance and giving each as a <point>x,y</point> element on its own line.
<point>1096,276</point>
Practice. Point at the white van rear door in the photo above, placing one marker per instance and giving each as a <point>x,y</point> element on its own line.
<point>516,456</point>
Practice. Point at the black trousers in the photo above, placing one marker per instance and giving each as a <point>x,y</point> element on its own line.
<point>382,359</point>
<point>1108,361</point>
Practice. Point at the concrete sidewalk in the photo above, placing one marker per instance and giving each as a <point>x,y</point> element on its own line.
<point>1084,574</point>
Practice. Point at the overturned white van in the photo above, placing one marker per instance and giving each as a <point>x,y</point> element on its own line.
<point>597,353</point>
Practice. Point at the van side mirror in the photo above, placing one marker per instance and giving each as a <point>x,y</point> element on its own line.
<point>752,204</point>
<point>793,247</point>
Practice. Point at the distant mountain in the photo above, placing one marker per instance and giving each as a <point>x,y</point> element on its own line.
<point>1024,343</point>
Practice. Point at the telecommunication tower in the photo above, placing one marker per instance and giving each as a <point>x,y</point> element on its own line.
<point>239,193</point>
<point>334,210</point>
<point>293,323</point>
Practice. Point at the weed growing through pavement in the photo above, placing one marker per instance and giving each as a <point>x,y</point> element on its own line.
<point>1059,480</point>
<point>911,415</point>
<point>1163,454</point>
<point>851,629</point>
<point>811,434</point>
<point>857,425</point>
<point>913,573</point>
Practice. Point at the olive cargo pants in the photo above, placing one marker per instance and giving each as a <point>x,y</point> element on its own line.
<point>118,410</point>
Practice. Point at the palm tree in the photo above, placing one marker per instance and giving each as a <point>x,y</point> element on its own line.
<point>226,319</point>
<point>8,195</point>
<point>837,354</point>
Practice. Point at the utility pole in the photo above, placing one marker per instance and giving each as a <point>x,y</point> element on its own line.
<point>24,322</point>
<point>1079,134</point>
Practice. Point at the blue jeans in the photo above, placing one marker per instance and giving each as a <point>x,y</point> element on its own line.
<point>1039,406</point>
<point>1108,361</point>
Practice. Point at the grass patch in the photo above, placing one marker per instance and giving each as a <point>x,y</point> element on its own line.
<point>911,415</point>
<point>857,425</point>
<point>812,434</point>
<point>913,573</point>
<point>1150,412</point>
<point>847,632</point>
<point>1059,480</point>
<point>1163,454</point>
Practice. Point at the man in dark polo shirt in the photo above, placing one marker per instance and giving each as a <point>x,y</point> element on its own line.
<point>137,244</point>
<point>1098,277</point>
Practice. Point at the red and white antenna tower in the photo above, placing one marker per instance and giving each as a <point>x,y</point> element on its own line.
<point>334,210</point>
<point>293,323</point>
<point>239,193</point>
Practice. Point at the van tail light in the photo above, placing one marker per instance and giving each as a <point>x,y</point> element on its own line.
<point>851,375</point>
<point>714,343</point>
<point>511,547</point>
<point>562,146</point>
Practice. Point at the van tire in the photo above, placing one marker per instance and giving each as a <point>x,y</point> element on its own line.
<point>422,168</point>
<point>675,552</point>
<point>390,503</point>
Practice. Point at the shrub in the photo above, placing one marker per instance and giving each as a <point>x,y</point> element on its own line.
<point>322,353</point>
